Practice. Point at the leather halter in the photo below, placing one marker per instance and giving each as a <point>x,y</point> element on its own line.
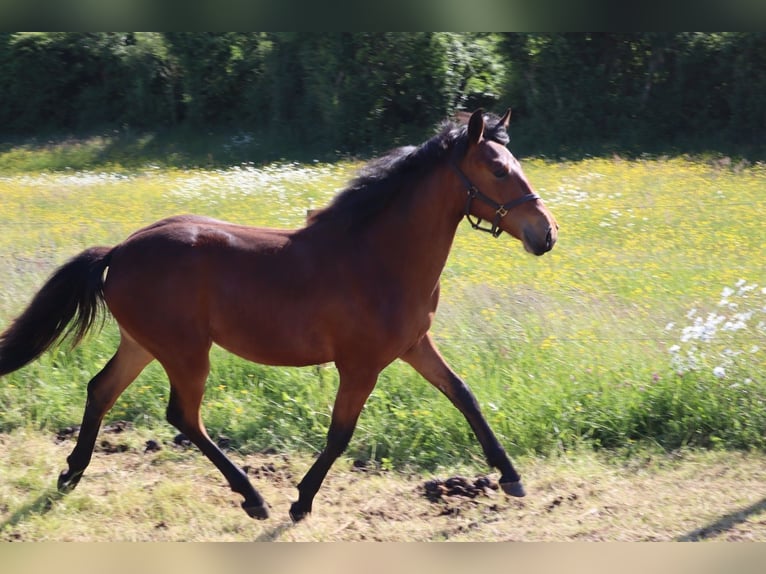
<point>501,210</point>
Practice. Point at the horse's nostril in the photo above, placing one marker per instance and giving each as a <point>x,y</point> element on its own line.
<point>549,240</point>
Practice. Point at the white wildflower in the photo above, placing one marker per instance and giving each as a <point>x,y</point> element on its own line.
<point>719,372</point>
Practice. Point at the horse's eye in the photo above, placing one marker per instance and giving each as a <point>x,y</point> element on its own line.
<point>500,173</point>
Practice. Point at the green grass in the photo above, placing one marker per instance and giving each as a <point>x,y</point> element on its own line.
<point>597,343</point>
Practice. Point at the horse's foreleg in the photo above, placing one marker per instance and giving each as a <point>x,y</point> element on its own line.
<point>427,361</point>
<point>103,390</point>
<point>353,391</point>
<point>187,384</point>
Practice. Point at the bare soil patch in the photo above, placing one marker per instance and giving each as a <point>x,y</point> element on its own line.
<point>132,492</point>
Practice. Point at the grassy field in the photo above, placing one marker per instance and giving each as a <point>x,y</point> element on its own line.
<point>646,324</point>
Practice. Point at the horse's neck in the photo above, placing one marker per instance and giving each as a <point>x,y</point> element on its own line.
<point>419,237</point>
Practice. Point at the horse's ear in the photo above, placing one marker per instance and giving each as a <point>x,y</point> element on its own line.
<point>476,126</point>
<point>505,119</point>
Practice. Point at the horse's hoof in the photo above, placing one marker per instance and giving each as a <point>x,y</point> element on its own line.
<point>513,488</point>
<point>297,513</point>
<point>67,482</point>
<point>258,512</point>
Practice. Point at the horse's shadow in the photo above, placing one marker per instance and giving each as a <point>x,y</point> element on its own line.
<point>726,522</point>
<point>273,534</point>
<point>39,506</point>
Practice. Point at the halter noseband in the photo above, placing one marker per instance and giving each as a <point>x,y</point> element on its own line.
<point>501,210</point>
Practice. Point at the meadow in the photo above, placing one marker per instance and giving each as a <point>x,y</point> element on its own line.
<point>646,325</point>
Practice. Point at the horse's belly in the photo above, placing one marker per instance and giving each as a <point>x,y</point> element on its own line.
<point>274,342</point>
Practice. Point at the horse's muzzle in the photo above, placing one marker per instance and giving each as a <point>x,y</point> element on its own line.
<point>538,244</point>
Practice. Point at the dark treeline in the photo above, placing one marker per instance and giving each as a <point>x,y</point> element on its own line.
<point>357,91</point>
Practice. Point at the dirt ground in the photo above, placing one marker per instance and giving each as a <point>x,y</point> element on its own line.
<point>140,488</point>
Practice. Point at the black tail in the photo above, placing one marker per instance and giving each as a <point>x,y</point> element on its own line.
<point>73,294</point>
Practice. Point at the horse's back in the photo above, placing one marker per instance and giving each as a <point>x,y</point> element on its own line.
<point>251,290</point>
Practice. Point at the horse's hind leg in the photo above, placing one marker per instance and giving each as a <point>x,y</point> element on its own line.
<point>103,390</point>
<point>187,384</point>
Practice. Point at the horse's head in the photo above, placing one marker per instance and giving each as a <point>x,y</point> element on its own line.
<point>497,189</point>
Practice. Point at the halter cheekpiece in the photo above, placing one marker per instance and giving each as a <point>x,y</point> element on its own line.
<point>501,210</point>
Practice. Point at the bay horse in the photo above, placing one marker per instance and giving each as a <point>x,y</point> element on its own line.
<point>358,286</point>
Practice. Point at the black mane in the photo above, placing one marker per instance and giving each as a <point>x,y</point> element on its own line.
<point>383,180</point>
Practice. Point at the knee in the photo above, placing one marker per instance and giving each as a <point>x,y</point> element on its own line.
<point>462,393</point>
